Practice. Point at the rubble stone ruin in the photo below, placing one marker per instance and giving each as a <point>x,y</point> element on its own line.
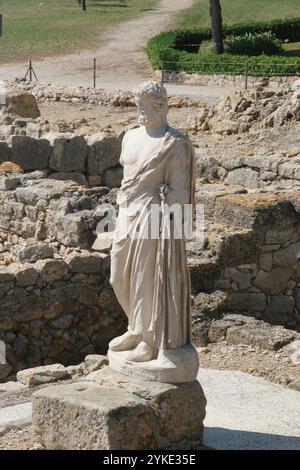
<point>56,303</point>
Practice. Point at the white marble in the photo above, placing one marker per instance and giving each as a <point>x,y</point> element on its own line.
<point>148,267</point>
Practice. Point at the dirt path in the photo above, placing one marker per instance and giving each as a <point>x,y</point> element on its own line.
<point>122,62</point>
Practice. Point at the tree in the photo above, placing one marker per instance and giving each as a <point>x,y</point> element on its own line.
<point>82,3</point>
<point>216,26</point>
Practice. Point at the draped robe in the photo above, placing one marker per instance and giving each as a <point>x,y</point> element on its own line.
<point>150,276</point>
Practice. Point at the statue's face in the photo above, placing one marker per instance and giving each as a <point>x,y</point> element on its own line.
<point>146,110</point>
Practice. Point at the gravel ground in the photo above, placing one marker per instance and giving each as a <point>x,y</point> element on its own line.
<point>19,439</point>
<point>274,366</point>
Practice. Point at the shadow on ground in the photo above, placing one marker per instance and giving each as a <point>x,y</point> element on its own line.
<point>230,439</point>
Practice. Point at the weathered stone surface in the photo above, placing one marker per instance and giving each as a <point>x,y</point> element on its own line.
<point>103,242</point>
<point>123,414</point>
<point>273,282</point>
<point>258,333</point>
<point>52,270</point>
<point>78,178</point>
<point>80,263</point>
<point>68,155</point>
<point>243,176</point>
<point>42,375</point>
<point>104,152</point>
<point>113,176</point>
<point>34,253</point>
<point>247,302</point>
<point>26,276</point>
<point>243,279</point>
<point>265,261</point>
<point>287,257</point>
<point>12,387</point>
<point>280,310</point>
<point>4,152</point>
<point>21,103</point>
<point>7,183</point>
<point>95,362</point>
<point>29,153</point>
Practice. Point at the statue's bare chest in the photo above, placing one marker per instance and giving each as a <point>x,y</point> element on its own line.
<point>139,148</point>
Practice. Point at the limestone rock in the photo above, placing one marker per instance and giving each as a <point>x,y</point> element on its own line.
<point>95,362</point>
<point>79,263</point>
<point>10,167</point>
<point>42,375</point>
<point>123,414</point>
<point>68,155</point>
<point>22,104</point>
<point>104,152</point>
<point>29,153</point>
<point>4,152</point>
<point>113,176</point>
<point>244,177</point>
<point>12,387</point>
<point>33,253</point>
<point>78,178</point>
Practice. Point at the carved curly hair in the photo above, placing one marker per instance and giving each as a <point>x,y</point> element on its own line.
<point>155,92</point>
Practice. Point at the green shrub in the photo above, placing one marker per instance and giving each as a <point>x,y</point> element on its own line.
<point>177,50</point>
<point>253,44</point>
<point>206,47</point>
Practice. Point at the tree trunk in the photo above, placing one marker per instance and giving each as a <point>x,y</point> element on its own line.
<point>216,26</point>
<point>83,5</point>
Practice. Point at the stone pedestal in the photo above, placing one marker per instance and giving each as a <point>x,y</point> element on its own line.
<point>174,365</point>
<point>118,412</point>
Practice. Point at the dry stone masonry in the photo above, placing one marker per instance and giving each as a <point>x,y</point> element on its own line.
<point>56,302</point>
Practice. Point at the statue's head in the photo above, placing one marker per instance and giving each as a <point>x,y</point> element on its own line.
<point>152,101</point>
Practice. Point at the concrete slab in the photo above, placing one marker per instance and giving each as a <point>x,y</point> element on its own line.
<point>248,413</point>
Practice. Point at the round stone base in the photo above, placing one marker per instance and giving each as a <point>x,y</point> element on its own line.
<point>171,366</point>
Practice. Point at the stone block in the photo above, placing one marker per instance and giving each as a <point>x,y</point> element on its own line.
<point>273,282</point>
<point>68,155</point>
<point>243,176</point>
<point>104,152</point>
<point>29,153</point>
<point>78,178</point>
<point>287,257</point>
<point>85,264</point>
<point>247,302</point>
<point>22,104</point>
<point>4,152</point>
<point>113,176</point>
<point>34,253</point>
<point>280,310</point>
<point>42,375</point>
<point>117,412</point>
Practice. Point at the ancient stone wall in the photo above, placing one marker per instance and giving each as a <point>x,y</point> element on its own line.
<point>254,259</point>
<point>238,81</point>
<point>56,303</point>
<point>92,162</point>
<point>252,171</point>
<point>57,310</point>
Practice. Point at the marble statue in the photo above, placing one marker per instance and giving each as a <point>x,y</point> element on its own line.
<point>149,273</point>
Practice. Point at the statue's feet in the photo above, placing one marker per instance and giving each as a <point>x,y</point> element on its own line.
<point>125,342</point>
<point>142,353</point>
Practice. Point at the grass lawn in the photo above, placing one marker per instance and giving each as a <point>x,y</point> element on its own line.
<point>237,11</point>
<point>36,28</point>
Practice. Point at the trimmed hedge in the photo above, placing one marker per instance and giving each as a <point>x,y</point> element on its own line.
<point>175,50</point>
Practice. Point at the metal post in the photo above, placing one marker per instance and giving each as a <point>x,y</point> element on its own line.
<point>246,76</point>
<point>95,68</point>
<point>30,71</point>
